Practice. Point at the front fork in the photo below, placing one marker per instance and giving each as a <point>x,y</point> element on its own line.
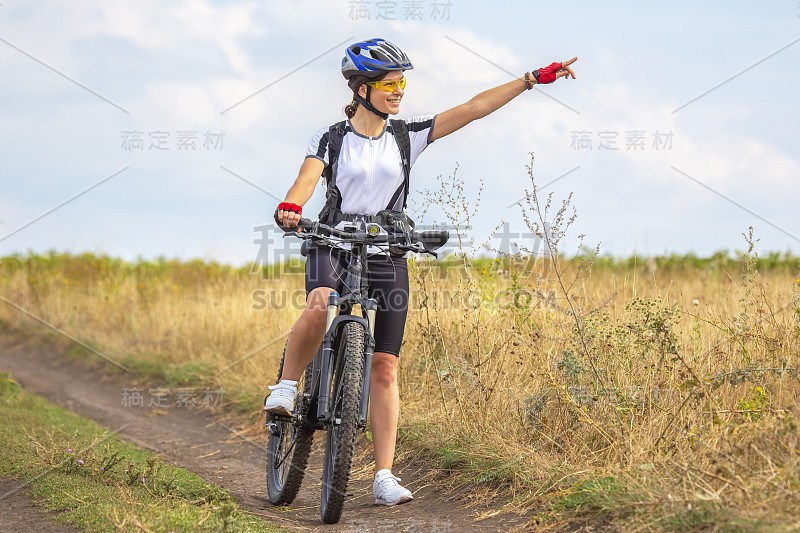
<point>333,325</point>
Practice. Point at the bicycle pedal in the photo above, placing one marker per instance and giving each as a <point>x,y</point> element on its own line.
<point>272,418</point>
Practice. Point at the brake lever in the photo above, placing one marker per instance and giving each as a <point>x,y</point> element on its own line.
<point>305,224</point>
<point>422,250</point>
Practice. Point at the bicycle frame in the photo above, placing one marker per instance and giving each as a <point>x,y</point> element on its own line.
<point>356,292</point>
<point>338,363</point>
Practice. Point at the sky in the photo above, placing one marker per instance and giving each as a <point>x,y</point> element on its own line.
<point>151,128</point>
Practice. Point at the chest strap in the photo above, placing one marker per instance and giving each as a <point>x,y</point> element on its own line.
<point>333,201</point>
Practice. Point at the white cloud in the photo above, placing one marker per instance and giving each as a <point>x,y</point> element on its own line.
<point>178,65</point>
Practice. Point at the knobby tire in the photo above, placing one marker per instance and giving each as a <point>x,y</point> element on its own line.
<point>341,438</point>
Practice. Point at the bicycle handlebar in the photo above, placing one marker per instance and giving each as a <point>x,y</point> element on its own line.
<point>430,240</point>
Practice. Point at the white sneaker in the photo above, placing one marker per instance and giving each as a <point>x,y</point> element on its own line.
<point>388,491</point>
<point>281,399</point>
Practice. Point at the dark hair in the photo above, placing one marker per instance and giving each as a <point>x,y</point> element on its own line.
<point>354,83</point>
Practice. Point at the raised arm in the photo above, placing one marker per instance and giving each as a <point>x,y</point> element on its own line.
<point>301,191</point>
<point>489,101</point>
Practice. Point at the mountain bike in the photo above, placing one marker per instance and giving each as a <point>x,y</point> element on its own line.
<point>333,393</point>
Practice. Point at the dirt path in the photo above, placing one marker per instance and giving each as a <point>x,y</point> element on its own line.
<point>231,457</point>
<point>19,512</point>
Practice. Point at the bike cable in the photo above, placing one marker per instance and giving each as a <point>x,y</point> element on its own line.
<point>336,270</point>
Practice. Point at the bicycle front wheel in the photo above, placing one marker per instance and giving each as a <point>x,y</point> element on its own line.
<point>341,437</point>
<point>288,448</point>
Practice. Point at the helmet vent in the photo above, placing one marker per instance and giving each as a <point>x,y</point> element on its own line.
<point>372,58</point>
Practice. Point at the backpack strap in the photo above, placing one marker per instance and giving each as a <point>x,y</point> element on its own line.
<point>331,212</point>
<point>333,200</point>
<point>400,131</point>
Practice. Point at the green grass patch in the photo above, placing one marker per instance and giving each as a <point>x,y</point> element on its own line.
<point>101,483</point>
<point>631,505</point>
<point>569,497</point>
<point>599,496</point>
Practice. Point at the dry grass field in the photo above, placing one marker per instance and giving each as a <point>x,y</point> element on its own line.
<point>647,394</point>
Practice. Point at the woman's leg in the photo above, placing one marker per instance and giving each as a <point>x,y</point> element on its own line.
<point>389,285</point>
<point>388,281</point>
<point>306,335</point>
<point>384,412</point>
<point>384,400</point>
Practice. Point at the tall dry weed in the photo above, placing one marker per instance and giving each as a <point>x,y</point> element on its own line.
<point>592,384</point>
<point>658,395</point>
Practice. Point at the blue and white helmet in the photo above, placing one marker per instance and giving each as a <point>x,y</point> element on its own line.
<point>373,58</point>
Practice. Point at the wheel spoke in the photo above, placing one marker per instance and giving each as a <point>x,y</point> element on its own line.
<point>286,455</point>
<point>288,448</point>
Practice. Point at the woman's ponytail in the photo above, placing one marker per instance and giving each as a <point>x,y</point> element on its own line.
<point>350,109</point>
<point>354,83</point>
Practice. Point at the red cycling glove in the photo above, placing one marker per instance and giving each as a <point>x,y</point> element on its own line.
<point>547,74</point>
<point>288,206</point>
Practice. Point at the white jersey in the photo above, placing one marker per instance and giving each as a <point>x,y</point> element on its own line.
<point>370,169</point>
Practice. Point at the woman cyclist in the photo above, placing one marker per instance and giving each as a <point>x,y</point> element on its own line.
<point>370,177</point>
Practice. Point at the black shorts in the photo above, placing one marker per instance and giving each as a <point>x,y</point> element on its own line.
<point>388,284</point>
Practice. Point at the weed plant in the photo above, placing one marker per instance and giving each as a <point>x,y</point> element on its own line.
<point>656,393</point>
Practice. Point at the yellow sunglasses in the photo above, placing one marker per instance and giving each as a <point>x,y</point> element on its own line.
<point>388,86</point>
